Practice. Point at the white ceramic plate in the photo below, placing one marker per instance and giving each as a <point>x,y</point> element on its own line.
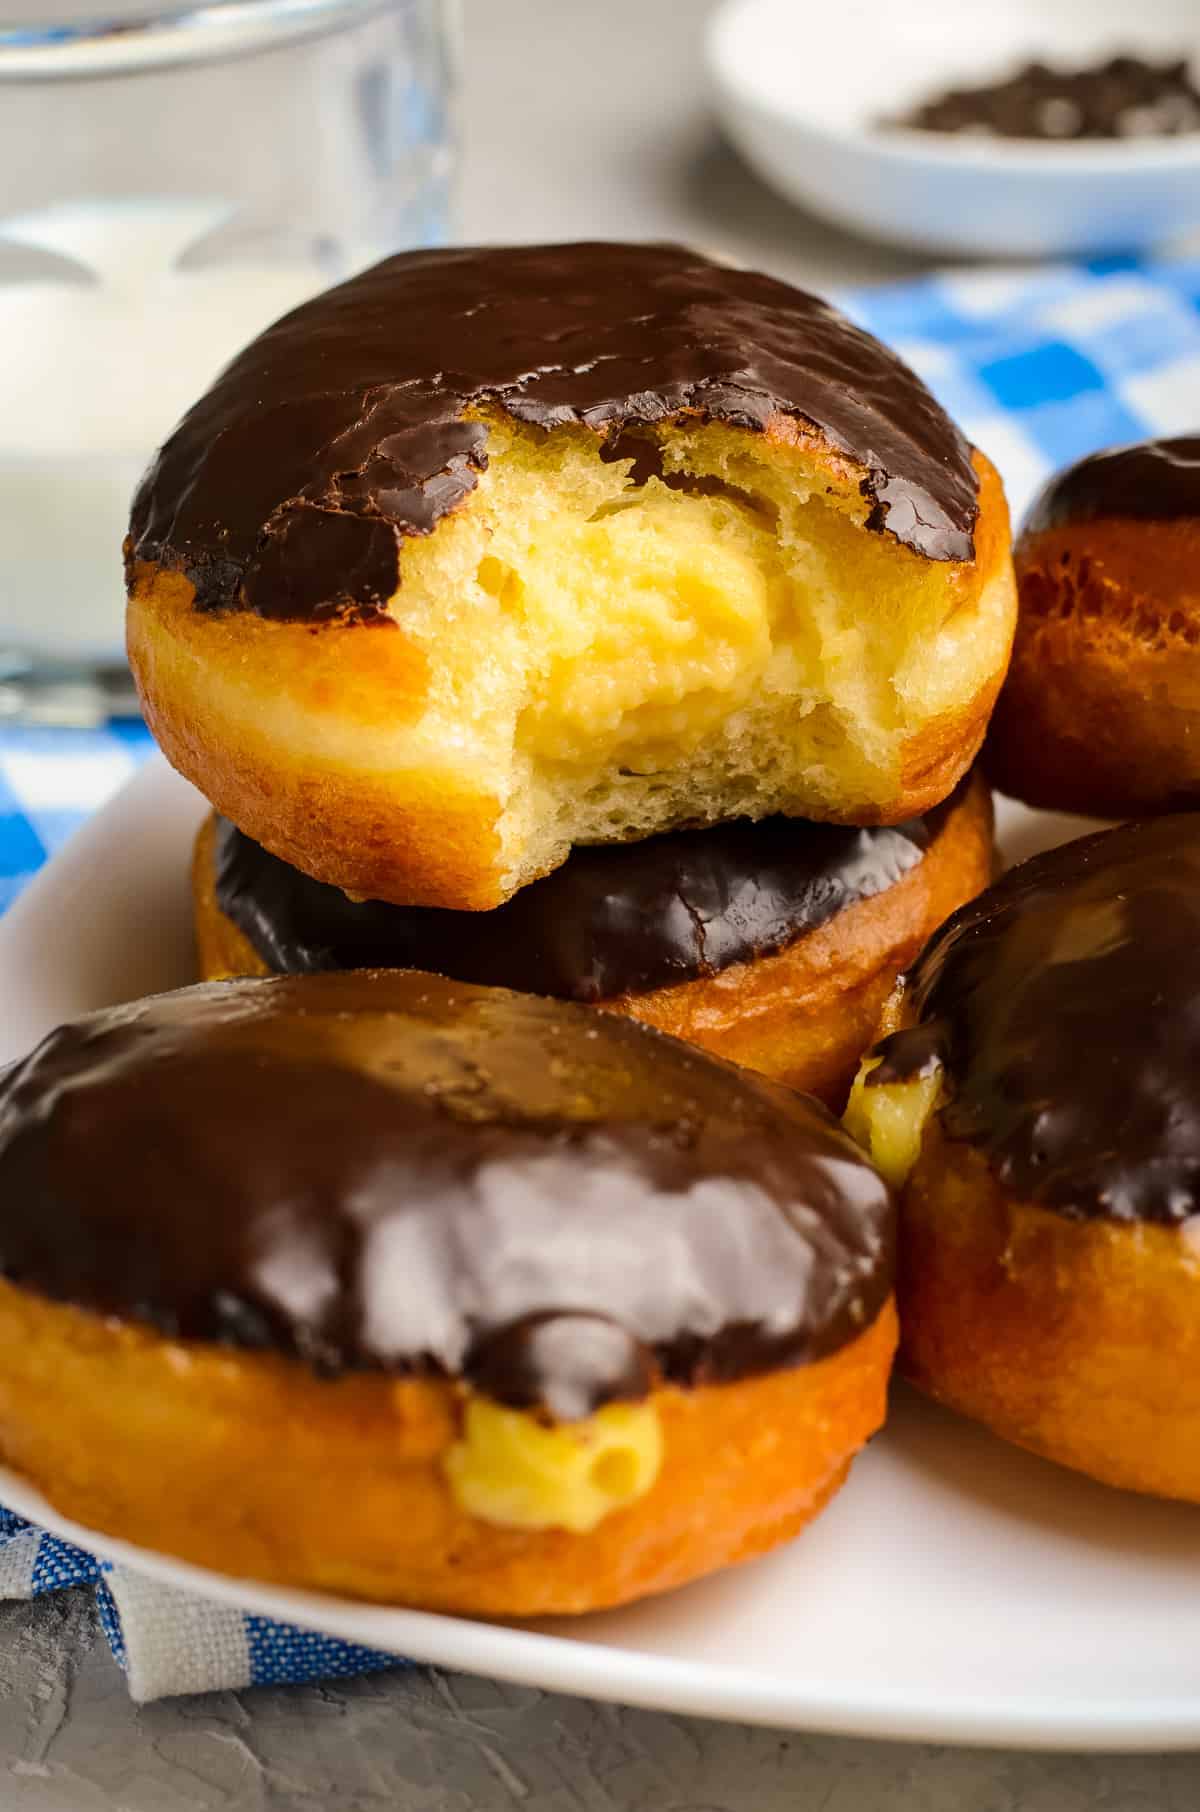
<point>955,1591</point>
<point>801,86</point>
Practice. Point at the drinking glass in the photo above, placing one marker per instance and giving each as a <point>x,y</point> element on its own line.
<point>172,180</point>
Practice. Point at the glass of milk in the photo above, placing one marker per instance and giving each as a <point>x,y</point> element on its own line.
<point>170,182</point>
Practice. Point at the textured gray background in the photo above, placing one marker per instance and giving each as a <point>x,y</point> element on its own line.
<point>425,1742</point>
<point>581,116</point>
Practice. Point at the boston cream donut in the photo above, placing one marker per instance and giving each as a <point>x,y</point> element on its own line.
<point>774,944</point>
<point>1039,1100</point>
<point>487,553</point>
<point>432,1294</point>
<point>1101,709</point>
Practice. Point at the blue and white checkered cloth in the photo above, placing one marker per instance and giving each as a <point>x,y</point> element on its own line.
<point>51,781</point>
<point>1039,366</point>
<point>1042,365</point>
<point>169,1641</point>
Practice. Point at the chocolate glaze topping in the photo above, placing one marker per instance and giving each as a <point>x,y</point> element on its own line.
<point>621,919</point>
<point>289,488</point>
<point>391,1170</point>
<point>1153,481</point>
<point>1065,1006</point>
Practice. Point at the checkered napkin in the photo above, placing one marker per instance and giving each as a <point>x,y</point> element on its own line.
<point>169,1641</point>
<point>1039,366</point>
<point>51,781</point>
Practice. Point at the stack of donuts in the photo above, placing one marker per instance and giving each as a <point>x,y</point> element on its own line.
<point>627,654</point>
<point>584,651</point>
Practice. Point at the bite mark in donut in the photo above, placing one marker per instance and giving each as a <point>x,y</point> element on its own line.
<point>669,544</point>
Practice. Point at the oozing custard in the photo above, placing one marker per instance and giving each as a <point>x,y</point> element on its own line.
<point>522,1472</point>
<point>1052,1026</point>
<point>889,1120</point>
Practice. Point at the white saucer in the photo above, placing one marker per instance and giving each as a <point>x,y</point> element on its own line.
<point>802,88</point>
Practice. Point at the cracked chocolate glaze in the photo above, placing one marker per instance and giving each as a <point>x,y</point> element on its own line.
<point>1064,1004</point>
<point>1152,481</point>
<point>394,1171</point>
<point>291,485</point>
<point>622,919</point>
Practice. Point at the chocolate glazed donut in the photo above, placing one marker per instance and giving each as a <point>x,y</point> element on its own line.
<point>359,436</point>
<point>520,1288</point>
<point>494,552</point>
<point>1038,1094</point>
<point>1100,712</point>
<point>773,944</point>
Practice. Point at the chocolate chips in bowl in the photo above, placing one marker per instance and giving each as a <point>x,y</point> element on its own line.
<point>1123,98</point>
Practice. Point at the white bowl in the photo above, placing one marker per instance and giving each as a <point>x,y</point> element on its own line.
<point>803,86</point>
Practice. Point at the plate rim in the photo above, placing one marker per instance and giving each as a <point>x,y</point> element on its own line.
<point>587,1669</point>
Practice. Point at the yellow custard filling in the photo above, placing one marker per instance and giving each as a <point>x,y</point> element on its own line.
<point>889,1121</point>
<point>512,1469</point>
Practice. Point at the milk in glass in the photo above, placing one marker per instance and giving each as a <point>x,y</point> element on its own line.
<point>120,326</point>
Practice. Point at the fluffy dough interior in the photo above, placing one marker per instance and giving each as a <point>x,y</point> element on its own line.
<point>694,632</point>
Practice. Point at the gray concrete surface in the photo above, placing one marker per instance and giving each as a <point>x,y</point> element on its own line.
<point>421,1741</point>
<point>581,116</point>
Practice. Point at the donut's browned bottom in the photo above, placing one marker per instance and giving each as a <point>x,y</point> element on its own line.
<point>1077,1339</point>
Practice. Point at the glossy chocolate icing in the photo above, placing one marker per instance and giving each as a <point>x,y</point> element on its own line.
<point>1152,481</point>
<point>620,919</point>
<point>392,1170</point>
<point>289,488</point>
<point>1065,1006</point>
